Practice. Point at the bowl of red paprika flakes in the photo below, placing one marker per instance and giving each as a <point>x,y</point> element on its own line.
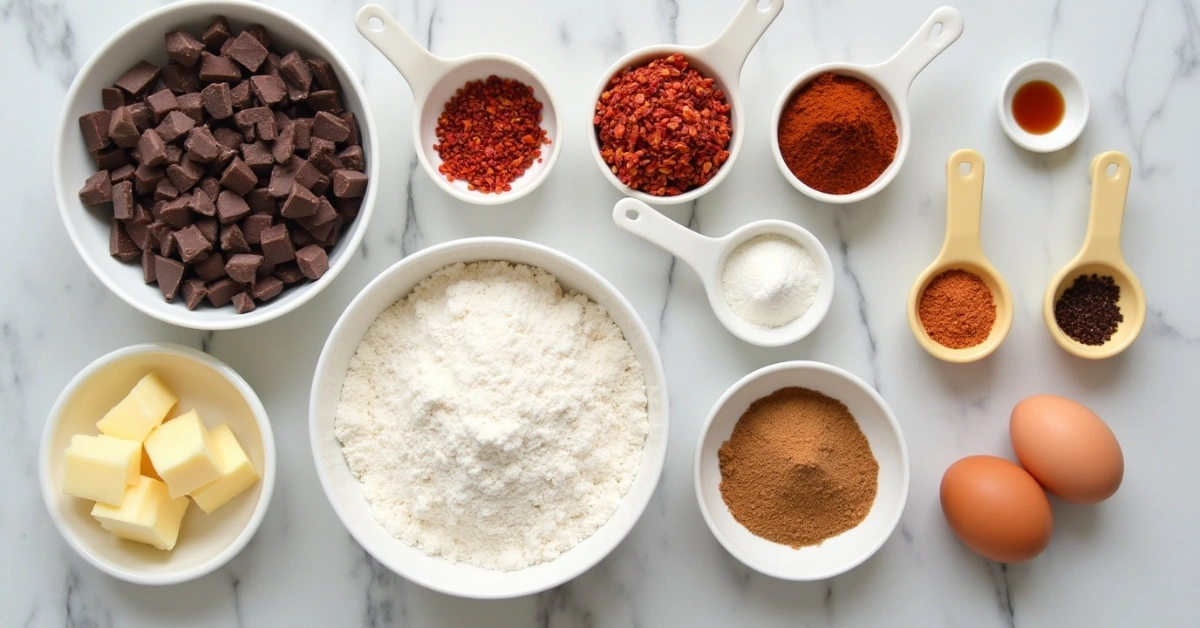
<point>842,130</point>
<point>486,129</point>
<point>668,120</point>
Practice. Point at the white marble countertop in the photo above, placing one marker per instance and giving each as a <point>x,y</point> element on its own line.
<point>1130,561</point>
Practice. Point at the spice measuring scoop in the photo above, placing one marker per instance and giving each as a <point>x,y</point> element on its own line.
<point>892,79</point>
<point>962,251</point>
<point>721,60</point>
<point>435,79</point>
<point>1101,254</point>
<point>707,256</point>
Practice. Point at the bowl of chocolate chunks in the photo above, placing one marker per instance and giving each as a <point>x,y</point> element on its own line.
<point>215,164</point>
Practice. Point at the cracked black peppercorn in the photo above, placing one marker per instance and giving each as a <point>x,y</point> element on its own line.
<point>1088,311</point>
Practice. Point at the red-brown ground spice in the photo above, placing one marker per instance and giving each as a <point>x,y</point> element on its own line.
<point>489,133</point>
<point>957,309</point>
<point>663,127</point>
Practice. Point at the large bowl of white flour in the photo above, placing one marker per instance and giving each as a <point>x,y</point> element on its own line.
<point>489,418</point>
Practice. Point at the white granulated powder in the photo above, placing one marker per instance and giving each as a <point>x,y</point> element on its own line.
<point>491,418</point>
<point>770,281</point>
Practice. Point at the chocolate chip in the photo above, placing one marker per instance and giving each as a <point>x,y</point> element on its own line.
<point>121,128</point>
<point>148,274</point>
<point>248,51</point>
<point>97,189</point>
<point>175,126</point>
<point>94,127</point>
<point>243,302</point>
<point>167,246</point>
<point>238,177</point>
<point>217,100</point>
<point>146,178</point>
<point>110,158</point>
<point>215,69</point>
<point>303,133</point>
<point>354,139</point>
<point>300,203</point>
<point>276,245</point>
<point>143,118</point>
<point>216,33</point>
<point>283,175</point>
<point>165,191</point>
<point>162,103</point>
<point>329,127</point>
<point>258,157</point>
<point>124,173</point>
<point>352,158</point>
<point>185,174</point>
<point>208,228</point>
<point>174,153</point>
<point>266,288</point>
<point>211,268</point>
<point>193,291</point>
<point>139,78</point>
<point>322,70</point>
<point>288,273</point>
<point>140,234</point>
<point>243,268</point>
<point>254,225</point>
<point>176,213</point>
<point>169,274</point>
<point>301,238</point>
<point>240,94</point>
<point>232,240</point>
<point>313,261</point>
<point>202,203</point>
<point>296,71</point>
<point>192,105</point>
<point>318,230</point>
<point>269,89</point>
<point>120,245</point>
<point>349,183</point>
<point>183,48</point>
<point>122,199</point>
<point>260,202</point>
<point>231,207</point>
<point>221,292</point>
<point>325,100</point>
<point>152,148</point>
<point>112,98</point>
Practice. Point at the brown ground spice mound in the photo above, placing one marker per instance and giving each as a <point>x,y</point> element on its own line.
<point>797,469</point>
<point>957,309</point>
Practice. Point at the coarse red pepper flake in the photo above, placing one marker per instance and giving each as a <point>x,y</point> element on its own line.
<point>663,127</point>
<point>489,134</point>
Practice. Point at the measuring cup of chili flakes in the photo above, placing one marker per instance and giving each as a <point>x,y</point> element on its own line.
<point>668,121</point>
<point>486,129</point>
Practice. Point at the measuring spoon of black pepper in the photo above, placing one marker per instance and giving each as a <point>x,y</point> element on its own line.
<point>1101,255</point>
<point>435,79</point>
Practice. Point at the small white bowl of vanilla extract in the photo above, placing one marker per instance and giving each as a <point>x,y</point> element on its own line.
<point>1043,106</point>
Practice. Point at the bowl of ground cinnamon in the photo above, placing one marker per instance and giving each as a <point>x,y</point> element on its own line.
<point>841,130</point>
<point>801,471</point>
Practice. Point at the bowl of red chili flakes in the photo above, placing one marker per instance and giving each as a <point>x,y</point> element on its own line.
<point>668,119</point>
<point>486,130</point>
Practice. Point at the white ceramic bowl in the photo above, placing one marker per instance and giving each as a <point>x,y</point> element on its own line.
<point>1075,99</point>
<point>344,490</point>
<point>838,554</point>
<point>88,227</point>
<point>206,541</point>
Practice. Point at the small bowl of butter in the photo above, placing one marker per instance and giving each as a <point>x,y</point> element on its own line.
<point>157,463</point>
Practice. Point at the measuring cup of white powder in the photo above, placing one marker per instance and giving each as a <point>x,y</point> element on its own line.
<point>770,282</point>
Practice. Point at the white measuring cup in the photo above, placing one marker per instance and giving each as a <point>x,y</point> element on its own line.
<point>721,60</point>
<point>892,79</point>
<point>434,80</point>
<point>707,256</point>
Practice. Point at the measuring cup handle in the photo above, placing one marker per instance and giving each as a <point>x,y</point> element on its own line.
<point>1108,203</point>
<point>700,252</point>
<point>904,66</point>
<point>420,68</point>
<point>964,205</point>
<point>727,53</point>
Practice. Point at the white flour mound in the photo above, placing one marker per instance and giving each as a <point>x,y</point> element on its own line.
<point>491,418</point>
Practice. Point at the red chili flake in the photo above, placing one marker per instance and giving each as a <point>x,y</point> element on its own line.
<point>489,133</point>
<point>663,127</point>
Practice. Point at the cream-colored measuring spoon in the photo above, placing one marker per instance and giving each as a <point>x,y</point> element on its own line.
<point>434,80</point>
<point>962,251</point>
<point>1101,254</point>
<point>707,256</point>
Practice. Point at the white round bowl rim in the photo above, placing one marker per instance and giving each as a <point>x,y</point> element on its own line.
<point>1037,143</point>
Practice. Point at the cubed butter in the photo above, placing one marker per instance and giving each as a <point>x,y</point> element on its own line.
<point>147,514</point>
<point>237,473</point>
<point>148,467</point>
<point>181,450</point>
<point>140,411</point>
<point>101,467</point>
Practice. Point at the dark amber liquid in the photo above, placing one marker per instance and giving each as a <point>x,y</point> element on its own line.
<point>1038,107</point>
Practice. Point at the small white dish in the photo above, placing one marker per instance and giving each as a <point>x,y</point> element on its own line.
<point>206,541</point>
<point>836,555</point>
<point>344,491</point>
<point>434,80</point>
<point>1075,99</point>
<point>707,256</point>
<point>892,79</point>
<point>88,227</point>
<point>721,60</point>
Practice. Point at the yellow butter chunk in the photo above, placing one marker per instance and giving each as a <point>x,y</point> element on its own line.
<point>147,514</point>
<point>181,451</point>
<point>140,411</point>
<point>237,472</point>
<point>101,467</point>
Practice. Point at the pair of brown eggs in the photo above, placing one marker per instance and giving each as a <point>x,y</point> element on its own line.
<point>1000,510</point>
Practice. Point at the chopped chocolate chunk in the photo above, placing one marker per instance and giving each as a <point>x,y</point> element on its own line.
<point>324,100</point>
<point>307,175</point>
<point>148,274</point>
<point>300,202</point>
<point>269,89</point>
<point>325,161</point>
<point>217,100</point>
<point>139,78</point>
<point>176,212</point>
<point>295,94</point>
<point>121,246</point>
<point>296,71</point>
<point>284,145</point>
<point>322,70</point>
<point>139,232</point>
<point>152,148</point>
<point>185,174</point>
<point>248,51</point>
<point>183,48</point>
<point>162,103</point>
<point>258,157</point>
<point>169,274</point>
<point>209,229</point>
<point>354,139</point>
<point>243,302</point>
<point>174,153</point>
<point>216,33</point>
<point>124,173</point>
<point>97,189</point>
<point>165,191</point>
<point>266,289</point>
<point>167,246</point>
<point>301,238</point>
<point>193,291</point>
<point>239,178</point>
<point>140,216</point>
<point>243,267</point>
<point>215,69</point>
<point>259,32</point>
<point>202,204</point>
<point>211,186</point>
<point>231,207</point>
<point>335,232</point>
<point>218,165</point>
<point>193,246</point>
<point>176,125</point>
<point>228,138</point>
<point>303,133</point>
<point>352,158</point>
<point>288,273</point>
<point>110,158</point>
<point>112,98</point>
<point>260,201</point>
<point>253,226</point>
<point>276,245</point>
<point>122,129</point>
<point>349,183</point>
<point>122,200</point>
<point>146,178</point>
<point>211,268</point>
<point>313,261</point>
<point>240,94</point>
<point>192,105</point>
<point>221,292</point>
<point>321,186</point>
<point>143,117</point>
<point>180,80</point>
<point>270,66</point>
<point>94,127</point>
<point>319,231</point>
<point>232,240</point>
<point>330,127</point>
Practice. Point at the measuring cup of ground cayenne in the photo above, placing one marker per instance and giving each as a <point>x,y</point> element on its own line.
<point>840,131</point>
<point>447,94</point>
<point>668,120</point>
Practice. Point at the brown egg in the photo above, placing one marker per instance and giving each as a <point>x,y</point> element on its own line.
<point>996,508</point>
<point>1066,448</point>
